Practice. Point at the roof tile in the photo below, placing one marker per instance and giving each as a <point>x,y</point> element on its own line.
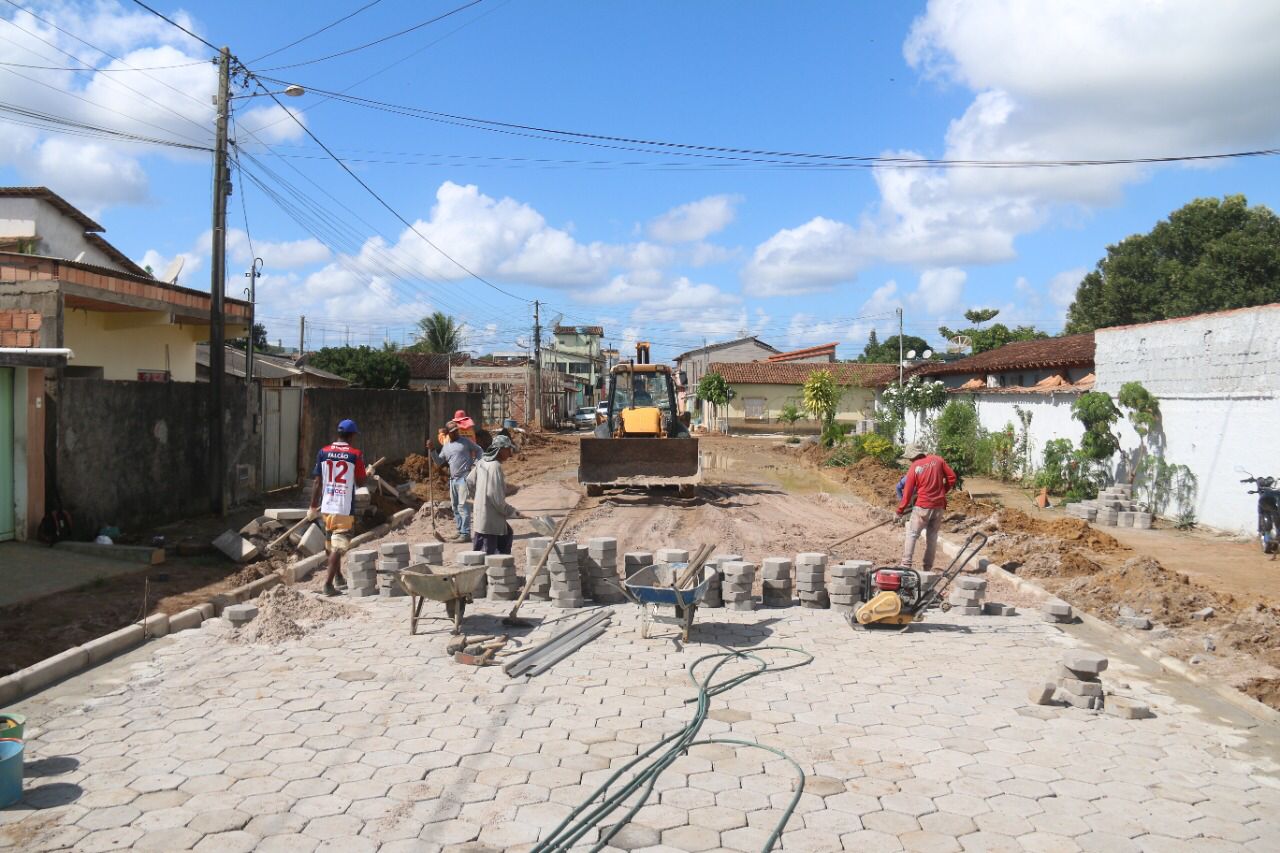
<point>796,372</point>
<point>1069,351</point>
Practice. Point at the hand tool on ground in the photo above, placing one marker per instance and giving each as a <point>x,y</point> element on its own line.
<point>861,532</point>
<point>897,597</point>
<point>431,494</point>
<point>511,618</point>
<point>545,655</point>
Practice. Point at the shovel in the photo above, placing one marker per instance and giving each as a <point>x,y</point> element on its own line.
<point>544,524</point>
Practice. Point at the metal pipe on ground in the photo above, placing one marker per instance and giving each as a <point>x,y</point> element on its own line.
<point>520,665</point>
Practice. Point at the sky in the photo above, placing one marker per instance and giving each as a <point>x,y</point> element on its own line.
<point>677,172</point>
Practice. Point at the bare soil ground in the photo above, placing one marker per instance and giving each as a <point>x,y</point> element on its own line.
<point>1101,574</point>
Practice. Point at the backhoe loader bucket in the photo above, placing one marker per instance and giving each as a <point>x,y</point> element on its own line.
<point>639,462</point>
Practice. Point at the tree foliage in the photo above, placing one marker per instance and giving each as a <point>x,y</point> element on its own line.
<point>886,352</point>
<point>259,339</point>
<point>438,333</point>
<point>994,336</point>
<point>1095,410</point>
<point>1210,255</point>
<point>364,366</point>
<point>978,316</point>
<point>713,389</point>
<point>821,396</point>
<point>958,432</point>
<point>789,414</point>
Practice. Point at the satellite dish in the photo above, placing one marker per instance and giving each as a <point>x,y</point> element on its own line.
<point>927,354</point>
<point>911,354</point>
<point>79,257</point>
<point>960,343</point>
<point>174,270</point>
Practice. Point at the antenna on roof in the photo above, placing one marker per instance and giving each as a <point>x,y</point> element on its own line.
<point>174,270</point>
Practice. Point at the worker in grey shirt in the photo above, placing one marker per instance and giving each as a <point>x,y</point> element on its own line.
<point>493,533</point>
<point>460,454</point>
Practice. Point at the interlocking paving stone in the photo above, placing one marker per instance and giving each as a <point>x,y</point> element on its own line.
<point>919,741</point>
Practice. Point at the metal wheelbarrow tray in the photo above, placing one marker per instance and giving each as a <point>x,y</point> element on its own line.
<point>453,586</point>
<point>654,586</point>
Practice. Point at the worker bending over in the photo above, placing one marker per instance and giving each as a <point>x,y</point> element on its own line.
<point>459,453</point>
<point>493,533</point>
<point>929,478</point>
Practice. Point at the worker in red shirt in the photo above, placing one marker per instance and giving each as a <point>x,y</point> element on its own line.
<point>929,478</point>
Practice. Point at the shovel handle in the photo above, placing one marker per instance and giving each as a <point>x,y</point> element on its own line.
<point>542,561</point>
<point>860,533</point>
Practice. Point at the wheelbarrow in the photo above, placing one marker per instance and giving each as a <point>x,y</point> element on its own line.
<point>654,587</point>
<point>452,586</point>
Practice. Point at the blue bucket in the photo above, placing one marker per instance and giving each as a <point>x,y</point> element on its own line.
<point>10,772</point>
<point>12,725</point>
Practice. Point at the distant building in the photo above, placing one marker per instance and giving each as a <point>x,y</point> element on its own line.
<point>691,366</point>
<point>578,351</point>
<point>1024,364</point>
<point>760,390</point>
<point>270,371</point>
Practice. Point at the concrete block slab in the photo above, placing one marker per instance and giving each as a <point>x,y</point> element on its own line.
<point>1126,708</point>
<point>286,514</point>
<point>971,583</point>
<point>394,550</point>
<point>185,620</point>
<point>1141,623</point>
<point>156,625</point>
<point>110,645</point>
<point>967,611</point>
<point>240,614</point>
<point>671,555</point>
<point>46,672</point>
<point>1042,694</point>
<point>1084,662</point>
<point>235,546</point>
<point>144,554</point>
<point>470,558</point>
<point>1081,688</point>
<point>312,541</point>
<point>1057,608</point>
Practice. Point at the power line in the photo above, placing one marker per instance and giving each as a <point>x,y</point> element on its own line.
<point>171,22</point>
<point>103,70</point>
<point>311,35</point>
<point>40,120</point>
<point>384,202</point>
<point>378,41</point>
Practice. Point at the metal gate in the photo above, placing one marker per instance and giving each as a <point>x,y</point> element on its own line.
<point>281,427</point>
<point>6,453</point>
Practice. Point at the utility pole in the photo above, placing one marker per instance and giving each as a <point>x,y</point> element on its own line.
<point>302,335</point>
<point>902,412</point>
<point>254,273</point>
<point>537,366</point>
<point>217,283</point>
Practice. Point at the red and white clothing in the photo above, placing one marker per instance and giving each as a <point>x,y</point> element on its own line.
<point>340,468</point>
<point>929,479</point>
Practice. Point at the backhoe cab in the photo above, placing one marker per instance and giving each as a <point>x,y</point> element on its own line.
<point>648,445</point>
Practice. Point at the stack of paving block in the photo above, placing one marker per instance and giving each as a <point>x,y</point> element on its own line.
<point>634,561</point>
<point>670,557</point>
<point>394,558</point>
<point>566,576</point>
<point>541,588</point>
<point>362,573</point>
<point>1056,610</point>
<point>776,584</point>
<point>468,559</point>
<point>362,501</point>
<point>968,595</point>
<point>503,580</point>
<point>739,578</point>
<point>846,584</point>
<point>601,563</point>
<point>1113,507</point>
<point>1078,683</point>
<point>811,580</point>
<point>715,583</point>
<point>431,553</point>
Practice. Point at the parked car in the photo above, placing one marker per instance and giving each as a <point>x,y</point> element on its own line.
<point>602,408</point>
<point>585,418</point>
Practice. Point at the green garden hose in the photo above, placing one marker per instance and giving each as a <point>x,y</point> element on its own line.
<point>603,802</point>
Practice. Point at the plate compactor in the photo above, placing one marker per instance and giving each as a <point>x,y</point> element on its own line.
<point>895,597</point>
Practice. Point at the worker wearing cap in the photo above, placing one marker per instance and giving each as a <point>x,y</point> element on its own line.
<point>339,471</point>
<point>493,534</point>
<point>459,453</point>
<point>929,478</point>
<point>466,426</point>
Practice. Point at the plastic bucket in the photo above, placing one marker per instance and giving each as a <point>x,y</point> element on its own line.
<point>12,725</point>
<point>10,771</point>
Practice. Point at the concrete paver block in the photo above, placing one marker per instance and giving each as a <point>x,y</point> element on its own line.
<point>1042,694</point>
<point>312,541</point>
<point>1084,662</point>
<point>235,546</point>
<point>1125,708</point>
<point>1081,688</point>
<point>240,614</point>
<point>286,514</point>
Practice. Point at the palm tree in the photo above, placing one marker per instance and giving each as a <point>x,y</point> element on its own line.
<point>438,333</point>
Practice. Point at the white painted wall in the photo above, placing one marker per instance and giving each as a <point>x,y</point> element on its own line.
<point>59,235</point>
<point>1050,419</point>
<point>1217,377</point>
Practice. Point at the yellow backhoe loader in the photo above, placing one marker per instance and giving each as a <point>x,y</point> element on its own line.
<point>642,442</point>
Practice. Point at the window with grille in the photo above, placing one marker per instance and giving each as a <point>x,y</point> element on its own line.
<point>756,408</point>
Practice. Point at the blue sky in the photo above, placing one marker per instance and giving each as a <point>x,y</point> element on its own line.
<point>650,244</point>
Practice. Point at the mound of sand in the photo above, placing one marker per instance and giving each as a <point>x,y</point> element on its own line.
<point>284,613</point>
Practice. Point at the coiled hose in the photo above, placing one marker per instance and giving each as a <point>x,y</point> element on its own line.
<point>603,802</point>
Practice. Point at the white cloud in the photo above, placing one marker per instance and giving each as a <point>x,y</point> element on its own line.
<point>1087,80</point>
<point>939,292</point>
<point>270,124</point>
<point>160,266</point>
<point>1062,287</point>
<point>287,254</point>
<point>695,220</point>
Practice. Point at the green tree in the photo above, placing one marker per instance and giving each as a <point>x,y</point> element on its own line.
<point>366,367</point>
<point>1144,414</point>
<point>713,389</point>
<point>993,336</point>
<point>821,396</point>
<point>260,343</point>
<point>789,414</point>
<point>1210,255</point>
<point>958,433</point>
<point>887,352</point>
<point>978,316</point>
<point>438,333</point>
<point>1095,410</point>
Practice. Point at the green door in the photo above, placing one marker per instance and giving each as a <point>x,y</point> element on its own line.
<point>6,453</point>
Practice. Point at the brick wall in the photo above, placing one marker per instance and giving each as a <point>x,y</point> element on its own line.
<point>19,327</point>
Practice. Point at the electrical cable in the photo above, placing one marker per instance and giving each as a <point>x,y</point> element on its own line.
<point>584,817</point>
<point>378,41</point>
<point>88,129</point>
<point>384,202</point>
<point>312,35</point>
<point>171,22</point>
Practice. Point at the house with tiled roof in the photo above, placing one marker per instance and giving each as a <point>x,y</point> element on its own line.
<point>761,389</point>
<point>694,364</point>
<point>430,370</point>
<point>1046,364</point>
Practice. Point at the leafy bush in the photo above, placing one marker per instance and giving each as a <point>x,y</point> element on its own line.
<point>794,439</point>
<point>833,434</point>
<point>1166,483</point>
<point>1095,410</point>
<point>821,395</point>
<point>957,436</point>
<point>857,447</point>
<point>1004,458</point>
<point>365,367</point>
<point>789,414</point>
<point>1069,472</point>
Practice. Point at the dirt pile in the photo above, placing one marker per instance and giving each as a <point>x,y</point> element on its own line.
<point>416,468</point>
<point>1146,586</point>
<point>260,569</point>
<point>284,613</point>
